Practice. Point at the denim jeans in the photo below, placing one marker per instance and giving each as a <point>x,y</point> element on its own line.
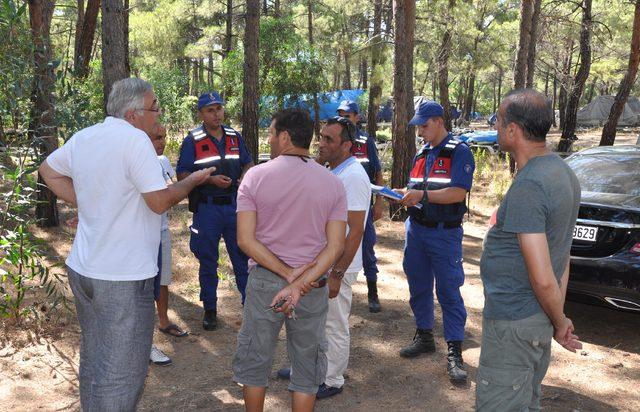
<point>116,319</point>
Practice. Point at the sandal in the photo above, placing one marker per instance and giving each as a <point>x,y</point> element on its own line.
<point>174,330</point>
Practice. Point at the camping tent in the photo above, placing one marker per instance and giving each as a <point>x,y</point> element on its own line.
<point>596,113</point>
<point>328,103</point>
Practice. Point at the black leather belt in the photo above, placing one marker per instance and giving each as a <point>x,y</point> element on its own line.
<point>435,224</point>
<point>216,200</point>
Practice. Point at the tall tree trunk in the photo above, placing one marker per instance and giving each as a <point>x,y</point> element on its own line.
<point>533,39</point>
<point>500,79</point>
<point>42,128</point>
<point>565,81</point>
<point>562,105</point>
<point>609,130</point>
<point>434,85</point>
<point>522,55</point>
<point>443,65</point>
<point>250,92</point>
<point>404,147</point>
<point>423,84</point>
<point>377,79</point>
<point>364,69</point>
<point>228,33</point>
<point>316,105</point>
<point>520,70</point>
<point>194,74</point>
<point>227,45</point>
<point>336,70</point>
<point>310,21</point>
<point>554,103</point>
<point>79,22</point>
<point>592,90</point>
<point>196,77</point>
<point>346,81</point>
<point>276,8</point>
<point>475,103</point>
<point>85,39</point>
<point>114,46</point>
<point>495,97</point>
<point>210,71</point>
<point>546,84</point>
<point>568,133</point>
<point>468,103</point>
<point>461,92</point>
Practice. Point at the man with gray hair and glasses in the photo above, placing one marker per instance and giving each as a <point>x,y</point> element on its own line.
<point>111,173</point>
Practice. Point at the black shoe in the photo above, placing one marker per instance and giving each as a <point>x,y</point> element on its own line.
<point>455,364</point>
<point>284,373</point>
<point>209,322</point>
<point>372,295</point>
<point>374,305</point>
<point>325,391</point>
<point>422,343</point>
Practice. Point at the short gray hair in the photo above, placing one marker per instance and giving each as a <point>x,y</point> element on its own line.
<point>127,94</point>
<point>531,110</point>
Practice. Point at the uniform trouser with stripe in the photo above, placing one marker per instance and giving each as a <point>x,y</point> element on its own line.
<point>369,260</point>
<point>210,223</point>
<point>435,255</point>
<point>337,331</point>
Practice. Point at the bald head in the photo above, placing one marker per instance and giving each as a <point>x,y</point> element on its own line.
<point>530,110</point>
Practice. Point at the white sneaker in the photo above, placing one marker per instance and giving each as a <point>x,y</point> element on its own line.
<point>158,357</point>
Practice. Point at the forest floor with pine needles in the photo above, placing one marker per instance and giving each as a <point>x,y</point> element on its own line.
<point>39,359</point>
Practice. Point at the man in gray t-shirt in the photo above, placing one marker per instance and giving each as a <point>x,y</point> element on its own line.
<point>525,262</point>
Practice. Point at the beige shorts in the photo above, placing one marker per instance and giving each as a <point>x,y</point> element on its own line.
<point>258,336</point>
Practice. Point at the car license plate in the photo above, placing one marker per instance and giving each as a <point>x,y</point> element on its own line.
<point>586,233</point>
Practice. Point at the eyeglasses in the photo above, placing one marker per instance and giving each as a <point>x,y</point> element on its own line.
<point>156,110</point>
<point>346,123</point>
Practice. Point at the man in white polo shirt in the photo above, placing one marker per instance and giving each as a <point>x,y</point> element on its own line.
<point>111,172</point>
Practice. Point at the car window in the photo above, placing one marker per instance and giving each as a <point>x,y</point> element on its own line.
<point>607,173</point>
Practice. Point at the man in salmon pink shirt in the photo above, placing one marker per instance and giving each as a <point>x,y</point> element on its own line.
<point>292,215</point>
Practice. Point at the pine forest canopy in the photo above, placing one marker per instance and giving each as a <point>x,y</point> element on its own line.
<point>185,47</point>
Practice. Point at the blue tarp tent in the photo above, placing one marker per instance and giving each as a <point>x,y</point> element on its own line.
<point>480,137</point>
<point>385,112</point>
<point>328,103</point>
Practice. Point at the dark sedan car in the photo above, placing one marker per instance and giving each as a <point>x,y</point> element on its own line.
<point>605,254</point>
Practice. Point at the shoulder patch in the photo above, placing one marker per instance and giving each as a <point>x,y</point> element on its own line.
<point>452,144</point>
<point>229,131</point>
<point>198,133</point>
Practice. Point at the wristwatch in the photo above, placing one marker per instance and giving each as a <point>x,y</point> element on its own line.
<point>425,198</point>
<point>337,273</point>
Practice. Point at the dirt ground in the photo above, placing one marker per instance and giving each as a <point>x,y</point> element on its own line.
<point>39,362</point>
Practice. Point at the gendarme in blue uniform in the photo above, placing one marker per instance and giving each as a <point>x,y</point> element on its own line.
<point>433,248</point>
<point>214,208</point>
<point>366,154</point>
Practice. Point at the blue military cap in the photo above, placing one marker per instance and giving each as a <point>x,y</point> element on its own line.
<point>348,106</point>
<point>207,99</point>
<point>425,111</point>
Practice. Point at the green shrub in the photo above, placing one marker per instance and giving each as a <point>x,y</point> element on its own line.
<point>23,270</point>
